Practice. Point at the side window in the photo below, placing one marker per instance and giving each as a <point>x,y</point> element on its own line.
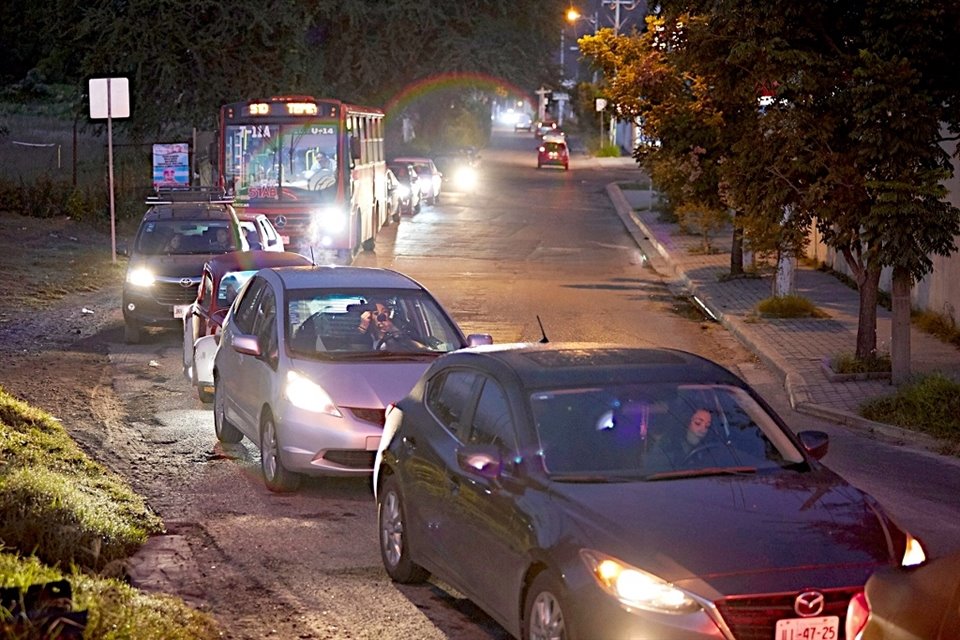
<point>449,396</point>
<point>492,423</point>
<point>265,324</point>
<point>246,310</point>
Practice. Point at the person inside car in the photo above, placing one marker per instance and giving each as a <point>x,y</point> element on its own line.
<point>377,322</point>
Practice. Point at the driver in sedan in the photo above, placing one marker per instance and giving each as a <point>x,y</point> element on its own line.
<point>378,323</point>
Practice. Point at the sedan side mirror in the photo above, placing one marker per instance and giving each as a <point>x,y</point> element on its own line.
<point>246,344</point>
<point>817,443</point>
<point>479,339</point>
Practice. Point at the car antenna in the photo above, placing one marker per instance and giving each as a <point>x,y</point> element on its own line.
<point>544,339</point>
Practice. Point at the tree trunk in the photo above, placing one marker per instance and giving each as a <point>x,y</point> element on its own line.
<point>736,250</point>
<point>867,320</point>
<point>900,334</point>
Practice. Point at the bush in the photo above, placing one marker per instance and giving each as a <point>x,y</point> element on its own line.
<point>930,404</point>
<point>849,363</point>
<point>791,306</point>
<point>941,325</point>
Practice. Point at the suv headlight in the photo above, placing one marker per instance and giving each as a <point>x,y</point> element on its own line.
<point>140,277</point>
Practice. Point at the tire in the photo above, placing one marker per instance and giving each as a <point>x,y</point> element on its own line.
<point>369,244</point>
<point>277,478</point>
<point>392,525</point>
<point>132,332</point>
<point>543,610</point>
<point>226,432</point>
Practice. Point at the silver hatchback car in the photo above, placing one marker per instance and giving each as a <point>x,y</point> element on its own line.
<point>310,357</point>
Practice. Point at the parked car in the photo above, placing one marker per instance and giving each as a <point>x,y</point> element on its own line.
<point>179,232</point>
<point>909,603</point>
<point>310,357</point>
<point>553,152</point>
<point>431,179</point>
<point>394,197</point>
<point>223,277</point>
<point>260,232</point>
<point>409,189</point>
<point>586,491</point>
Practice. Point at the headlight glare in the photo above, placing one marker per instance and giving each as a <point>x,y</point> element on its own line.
<point>140,277</point>
<point>636,588</point>
<point>330,219</point>
<point>305,394</point>
<point>403,190</point>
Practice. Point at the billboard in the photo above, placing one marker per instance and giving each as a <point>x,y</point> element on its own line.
<point>171,165</point>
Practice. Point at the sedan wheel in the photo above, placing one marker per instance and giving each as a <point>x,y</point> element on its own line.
<point>393,542</point>
<point>226,432</point>
<point>543,611</point>
<point>277,478</point>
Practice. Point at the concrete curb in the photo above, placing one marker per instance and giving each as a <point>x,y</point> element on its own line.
<point>793,383</point>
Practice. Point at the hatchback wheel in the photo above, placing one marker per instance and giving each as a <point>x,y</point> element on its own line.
<point>226,432</point>
<point>394,549</point>
<point>543,610</point>
<point>277,478</point>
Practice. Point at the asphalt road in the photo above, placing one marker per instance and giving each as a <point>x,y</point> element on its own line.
<point>528,243</point>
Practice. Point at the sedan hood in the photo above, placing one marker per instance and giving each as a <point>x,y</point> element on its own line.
<point>368,385</point>
<point>720,527</point>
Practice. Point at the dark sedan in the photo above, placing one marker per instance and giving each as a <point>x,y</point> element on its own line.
<point>586,491</point>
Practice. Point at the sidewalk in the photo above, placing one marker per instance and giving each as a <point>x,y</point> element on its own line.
<point>794,348</point>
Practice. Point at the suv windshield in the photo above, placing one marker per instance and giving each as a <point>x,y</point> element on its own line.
<point>180,237</point>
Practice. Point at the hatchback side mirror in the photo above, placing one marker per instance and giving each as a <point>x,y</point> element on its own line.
<point>817,443</point>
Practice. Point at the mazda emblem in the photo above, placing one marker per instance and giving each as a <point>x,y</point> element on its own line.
<point>186,283</point>
<point>280,222</point>
<point>808,604</point>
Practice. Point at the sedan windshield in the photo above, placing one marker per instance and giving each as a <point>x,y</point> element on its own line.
<point>657,431</point>
<point>342,324</point>
<point>181,236</point>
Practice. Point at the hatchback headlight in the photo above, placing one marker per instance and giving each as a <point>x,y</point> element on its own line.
<point>306,394</point>
<point>403,190</point>
<point>636,588</point>
<point>140,277</point>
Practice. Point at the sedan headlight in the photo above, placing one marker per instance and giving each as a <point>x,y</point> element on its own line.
<point>913,554</point>
<point>306,394</point>
<point>636,588</point>
<point>140,277</point>
<point>403,191</point>
<point>466,177</point>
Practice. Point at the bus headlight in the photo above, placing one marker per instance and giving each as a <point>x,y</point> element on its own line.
<point>140,277</point>
<point>329,220</point>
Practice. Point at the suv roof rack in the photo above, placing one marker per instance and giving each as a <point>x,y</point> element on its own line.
<point>210,195</point>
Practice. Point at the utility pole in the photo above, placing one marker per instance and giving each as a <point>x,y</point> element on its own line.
<point>542,107</point>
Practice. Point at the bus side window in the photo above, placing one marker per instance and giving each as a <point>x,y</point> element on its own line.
<point>354,150</point>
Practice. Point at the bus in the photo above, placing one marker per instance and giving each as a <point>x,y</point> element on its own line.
<point>315,167</point>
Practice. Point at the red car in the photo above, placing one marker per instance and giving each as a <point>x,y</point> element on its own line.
<point>222,278</point>
<point>553,152</point>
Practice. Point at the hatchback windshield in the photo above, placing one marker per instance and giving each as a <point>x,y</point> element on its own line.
<point>652,430</point>
<point>339,323</point>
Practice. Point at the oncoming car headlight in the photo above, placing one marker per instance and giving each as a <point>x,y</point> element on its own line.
<point>306,394</point>
<point>140,277</point>
<point>636,588</point>
<point>465,177</point>
<point>403,190</point>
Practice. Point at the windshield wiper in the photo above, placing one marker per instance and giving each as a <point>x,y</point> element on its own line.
<point>587,478</point>
<point>706,471</point>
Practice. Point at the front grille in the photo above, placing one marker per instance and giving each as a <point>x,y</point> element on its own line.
<point>373,416</point>
<point>351,458</point>
<point>173,293</point>
<point>755,617</point>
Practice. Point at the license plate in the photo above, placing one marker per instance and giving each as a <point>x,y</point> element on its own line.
<point>180,310</point>
<point>822,628</point>
<point>286,239</point>
<point>373,442</point>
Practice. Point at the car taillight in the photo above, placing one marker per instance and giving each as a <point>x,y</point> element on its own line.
<point>858,611</point>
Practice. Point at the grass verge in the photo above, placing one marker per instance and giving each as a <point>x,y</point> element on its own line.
<point>65,515</point>
<point>930,404</point>
<point>790,306</point>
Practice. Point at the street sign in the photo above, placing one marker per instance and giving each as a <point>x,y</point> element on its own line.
<point>601,104</point>
<point>109,98</point>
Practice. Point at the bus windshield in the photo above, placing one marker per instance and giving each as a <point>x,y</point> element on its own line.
<point>276,161</point>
